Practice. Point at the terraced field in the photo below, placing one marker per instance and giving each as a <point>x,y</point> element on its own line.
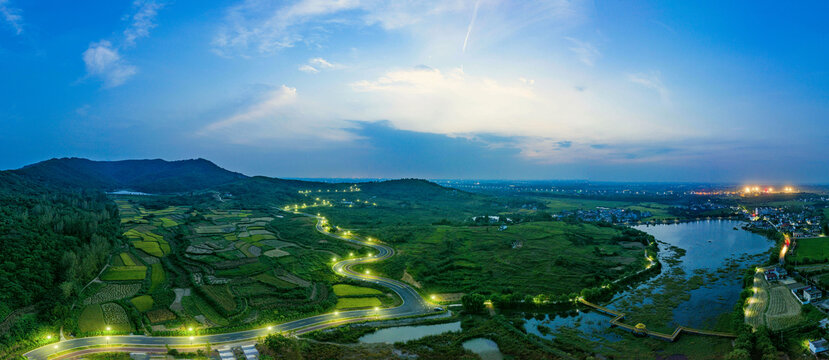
<point>241,261</point>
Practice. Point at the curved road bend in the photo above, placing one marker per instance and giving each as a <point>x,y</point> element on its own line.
<point>413,304</point>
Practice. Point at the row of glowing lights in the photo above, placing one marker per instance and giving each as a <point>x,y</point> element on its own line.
<point>351,189</point>
<point>757,189</point>
<point>324,203</point>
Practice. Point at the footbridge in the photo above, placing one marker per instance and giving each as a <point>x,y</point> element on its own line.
<point>640,329</point>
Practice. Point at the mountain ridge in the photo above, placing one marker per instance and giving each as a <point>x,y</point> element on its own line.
<point>145,175</point>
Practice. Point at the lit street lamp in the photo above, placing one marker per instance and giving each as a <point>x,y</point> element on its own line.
<point>191,340</point>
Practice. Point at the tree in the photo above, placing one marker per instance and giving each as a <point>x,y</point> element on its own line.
<point>283,347</point>
<point>738,354</point>
<point>473,303</point>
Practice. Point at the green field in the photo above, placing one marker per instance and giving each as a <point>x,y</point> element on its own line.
<point>167,222</point>
<point>358,302</point>
<point>244,270</point>
<point>157,276</point>
<point>124,273</point>
<point>91,319</point>
<point>195,305</point>
<point>814,249</point>
<point>127,259</point>
<point>142,303</point>
<point>530,258</point>
<point>351,290</point>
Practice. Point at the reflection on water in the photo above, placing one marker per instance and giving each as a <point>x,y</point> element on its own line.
<point>485,348</point>
<point>406,333</point>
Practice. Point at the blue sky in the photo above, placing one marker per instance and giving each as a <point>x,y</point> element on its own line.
<point>651,91</point>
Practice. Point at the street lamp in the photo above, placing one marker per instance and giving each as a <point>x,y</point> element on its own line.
<point>191,340</point>
<point>109,328</point>
<point>368,272</point>
<point>49,337</point>
<point>376,309</point>
<point>336,313</point>
<point>107,341</point>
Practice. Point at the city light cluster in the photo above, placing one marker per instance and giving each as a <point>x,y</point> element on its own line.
<point>755,189</point>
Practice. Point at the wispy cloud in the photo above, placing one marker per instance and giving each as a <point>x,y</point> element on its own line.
<point>471,24</point>
<point>259,27</point>
<point>651,80</point>
<point>279,114</point>
<point>103,61</point>
<point>585,51</point>
<point>141,21</point>
<point>256,27</point>
<point>11,16</point>
<point>308,69</point>
<point>316,65</point>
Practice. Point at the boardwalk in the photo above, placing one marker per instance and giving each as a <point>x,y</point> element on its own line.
<point>618,317</point>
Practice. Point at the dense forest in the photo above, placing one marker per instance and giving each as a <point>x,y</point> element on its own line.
<point>52,241</point>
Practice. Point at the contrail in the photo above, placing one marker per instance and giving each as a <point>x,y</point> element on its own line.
<point>471,24</point>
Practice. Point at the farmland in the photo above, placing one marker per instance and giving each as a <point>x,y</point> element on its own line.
<point>92,319</point>
<point>358,302</point>
<point>230,255</point>
<point>124,273</point>
<point>142,303</point>
<point>783,310</point>
<point>351,290</point>
<point>812,250</point>
<point>112,292</point>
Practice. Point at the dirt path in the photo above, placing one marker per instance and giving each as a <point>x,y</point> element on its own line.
<point>757,303</point>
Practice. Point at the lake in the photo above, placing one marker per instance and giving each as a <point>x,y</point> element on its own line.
<point>713,250</point>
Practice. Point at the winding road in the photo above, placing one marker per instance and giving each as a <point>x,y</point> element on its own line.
<point>413,304</point>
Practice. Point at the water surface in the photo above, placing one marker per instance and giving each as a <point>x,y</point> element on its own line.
<point>485,348</point>
<point>407,333</point>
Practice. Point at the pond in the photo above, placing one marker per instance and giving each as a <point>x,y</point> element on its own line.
<point>716,252</point>
<point>407,333</point>
<point>485,348</point>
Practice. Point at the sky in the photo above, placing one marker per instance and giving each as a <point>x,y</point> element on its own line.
<point>707,91</point>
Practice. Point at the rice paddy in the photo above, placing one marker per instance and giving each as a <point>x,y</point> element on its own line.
<point>124,273</point>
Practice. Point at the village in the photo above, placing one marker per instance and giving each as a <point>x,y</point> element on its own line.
<point>800,221</point>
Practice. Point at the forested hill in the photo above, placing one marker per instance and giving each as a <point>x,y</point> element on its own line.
<point>150,176</point>
<point>52,241</point>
